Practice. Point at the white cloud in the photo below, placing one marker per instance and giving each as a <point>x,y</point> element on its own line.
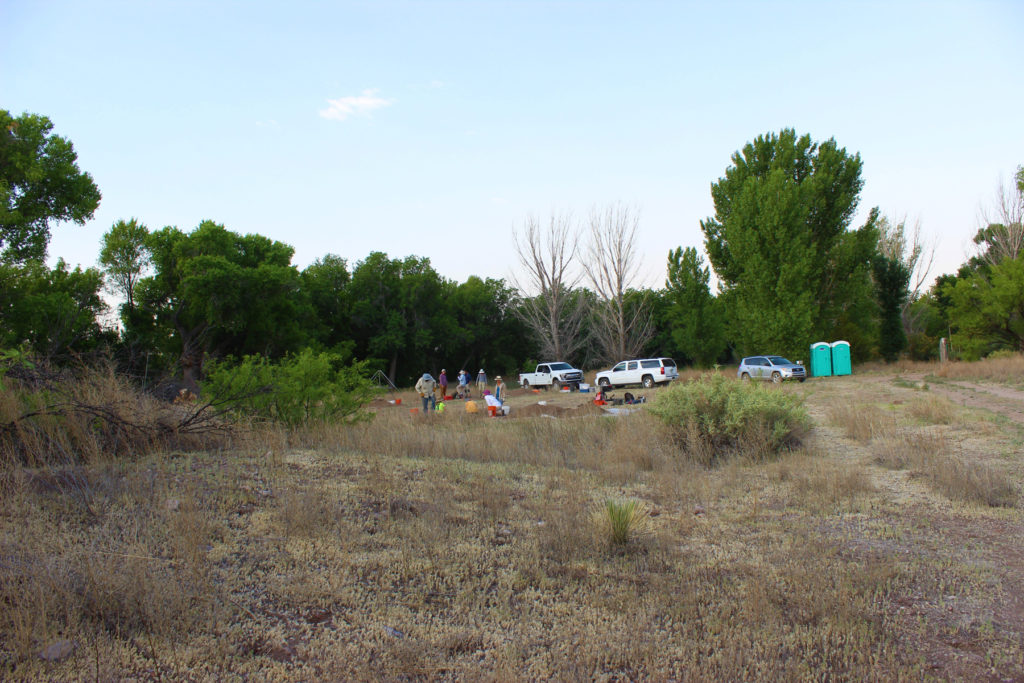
<point>343,107</point>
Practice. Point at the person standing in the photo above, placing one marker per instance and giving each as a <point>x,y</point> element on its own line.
<point>481,380</point>
<point>463,384</point>
<point>499,390</point>
<point>442,379</point>
<point>426,386</point>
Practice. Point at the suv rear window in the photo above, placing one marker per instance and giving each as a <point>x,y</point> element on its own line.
<point>650,363</point>
<point>668,362</point>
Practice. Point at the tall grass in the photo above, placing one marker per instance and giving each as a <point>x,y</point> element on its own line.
<point>1002,368</point>
<point>928,456</point>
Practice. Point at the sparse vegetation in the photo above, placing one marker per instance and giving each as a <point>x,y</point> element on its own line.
<point>459,547</point>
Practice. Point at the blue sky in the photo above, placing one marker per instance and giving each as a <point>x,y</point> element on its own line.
<point>453,121</point>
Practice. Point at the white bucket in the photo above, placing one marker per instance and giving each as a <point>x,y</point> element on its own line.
<point>506,409</point>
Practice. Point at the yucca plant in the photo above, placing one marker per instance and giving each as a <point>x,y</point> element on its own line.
<point>624,520</point>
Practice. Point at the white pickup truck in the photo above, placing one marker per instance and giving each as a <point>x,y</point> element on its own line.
<point>554,375</point>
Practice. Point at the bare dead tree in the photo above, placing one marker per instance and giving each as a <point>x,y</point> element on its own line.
<point>612,266</point>
<point>1001,225</point>
<point>909,248</point>
<point>551,309</point>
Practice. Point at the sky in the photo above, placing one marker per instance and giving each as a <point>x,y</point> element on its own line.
<point>438,128</point>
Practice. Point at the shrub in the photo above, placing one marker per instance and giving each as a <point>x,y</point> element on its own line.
<point>715,416</point>
<point>622,521</point>
<point>303,388</point>
<point>90,413</point>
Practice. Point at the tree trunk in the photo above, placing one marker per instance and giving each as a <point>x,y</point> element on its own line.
<point>192,357</point>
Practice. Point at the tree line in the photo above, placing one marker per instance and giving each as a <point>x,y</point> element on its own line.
<point>790,266</point>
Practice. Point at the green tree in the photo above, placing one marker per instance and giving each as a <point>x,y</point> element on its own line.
<point>326,282</point>
<point>39,183</point>
<point>399,316</point>
<point>692,314</point>
<point>891,281</point>
<point>987,308</point>
<point>488,332</point>
<point>55,312</point>
<point>779,244</point>
<point>125,258</point>
<point>213,290</point>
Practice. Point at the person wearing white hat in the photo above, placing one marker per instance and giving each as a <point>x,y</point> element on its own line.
<point>481,380</point>
<point>426,386</point>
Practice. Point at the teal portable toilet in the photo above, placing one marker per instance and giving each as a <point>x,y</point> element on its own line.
<point>821,359</point>
<point>841,358</point>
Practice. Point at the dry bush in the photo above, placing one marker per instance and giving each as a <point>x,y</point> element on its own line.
<point>927,455</point>
<point>861,422</point>
<point>933,409</point>
<point>909,449</point>
<point>822,484</point>
<point>98,554</point>
<point>1004,368</point>
<point>970,482</point>
<point>92,414</point>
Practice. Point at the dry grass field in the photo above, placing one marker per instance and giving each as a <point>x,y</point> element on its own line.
<point>888,546</point>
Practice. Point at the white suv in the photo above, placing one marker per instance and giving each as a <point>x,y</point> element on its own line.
<point>647,372</point>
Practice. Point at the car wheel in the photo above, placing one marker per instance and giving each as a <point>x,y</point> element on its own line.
<point>745,377</point>
<point>776,377</point>
<point>603,382</point>
<point>556,385</point>
<point>647,381</point>
<point>803,379</point>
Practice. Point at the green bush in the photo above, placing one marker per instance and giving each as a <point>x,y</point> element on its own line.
<point>715,417</point>
<point>302,388</point>
<point>623,520</point>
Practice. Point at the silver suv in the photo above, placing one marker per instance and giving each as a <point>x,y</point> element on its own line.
<point>646,372</point>
<point>775,368</point>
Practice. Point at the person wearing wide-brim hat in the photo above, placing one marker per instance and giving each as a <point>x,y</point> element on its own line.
<point>426,386</point>
<point>499,389</point>
<point>481,380</point>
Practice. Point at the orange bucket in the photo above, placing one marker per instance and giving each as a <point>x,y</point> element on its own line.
<point>413,411</point>
<point>492,410</point>
<point>398,401</point>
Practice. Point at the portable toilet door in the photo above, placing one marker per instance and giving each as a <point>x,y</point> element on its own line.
<point>821,359</point>
<point>841,358</point>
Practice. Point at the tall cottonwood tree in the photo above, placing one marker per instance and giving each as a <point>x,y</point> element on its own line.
<point>779,243</point>
<point>551,310</point>
<point>213,290</point>
<point>612,265</point>
<point>40,183</point>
